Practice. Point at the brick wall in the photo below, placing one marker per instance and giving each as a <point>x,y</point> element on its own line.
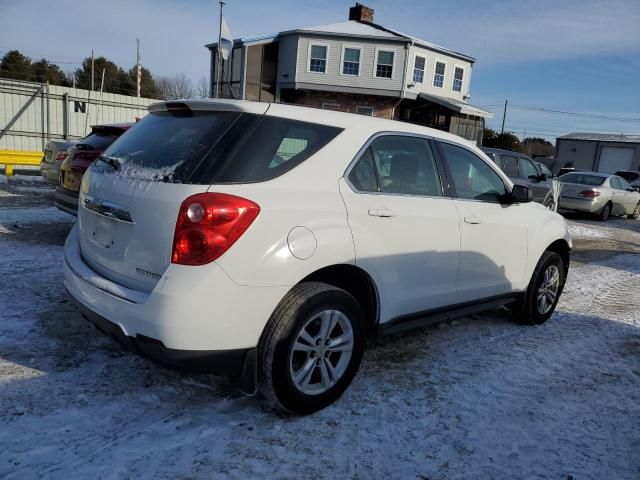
<point>344,102</point>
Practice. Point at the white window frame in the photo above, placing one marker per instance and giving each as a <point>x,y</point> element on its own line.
<point>353,47</point>
<point>453,78</point>
<point>424,71</point>
<point>326,61</point>
<point>368,107</point>
<point>331,106</point>
<point>444,76</point>
<point>393,65</point>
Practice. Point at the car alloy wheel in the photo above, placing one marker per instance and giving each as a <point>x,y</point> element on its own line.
<point>321,352</point>
<point>548,290</point>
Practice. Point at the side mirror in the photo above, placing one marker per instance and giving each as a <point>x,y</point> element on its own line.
<point>543,177</point>
<point>634,188</point>
<point>521,194</point>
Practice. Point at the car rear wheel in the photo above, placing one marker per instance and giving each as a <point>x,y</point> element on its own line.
<point>605,213</point>
<point>311,348</point>
<point>636,212</point>
<point>544,291</point>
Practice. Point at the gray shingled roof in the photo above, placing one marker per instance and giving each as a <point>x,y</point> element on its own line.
<point>602,137</point>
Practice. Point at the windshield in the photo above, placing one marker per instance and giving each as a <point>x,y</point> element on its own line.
<point>96,141</point>
<point>582,179</point>
<point>213,147</point>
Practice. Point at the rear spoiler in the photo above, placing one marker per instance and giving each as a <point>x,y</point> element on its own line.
<point>217,105</point>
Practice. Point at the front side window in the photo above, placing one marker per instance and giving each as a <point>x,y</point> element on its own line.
<point>527,169</point>
<point>384,65</point>
<point>418,69</point>
<point>509,165</point>
<point>318,58</point>
<point>471,177</point>
<point>402,165</point>
<point>615,183</point>
<point>438,76</point>
<point>624,184</point>
<point>351,61</point>
<point>458,76</point>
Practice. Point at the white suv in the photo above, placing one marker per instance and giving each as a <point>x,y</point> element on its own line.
<point>266,242</point>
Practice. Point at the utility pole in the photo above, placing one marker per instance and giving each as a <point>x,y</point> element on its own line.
<point>219,58</point>
<point>504,115</point>
<point>138,68</point>
<point>92,65</point>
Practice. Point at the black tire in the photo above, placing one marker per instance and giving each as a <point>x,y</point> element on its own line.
<point>636,212</point>
<point>527,311</point>
<point>301,303</point>
<point>604,214</point>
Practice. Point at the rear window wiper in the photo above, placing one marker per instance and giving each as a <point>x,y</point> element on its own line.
<point>111,161</point>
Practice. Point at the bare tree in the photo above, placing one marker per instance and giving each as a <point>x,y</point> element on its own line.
<point>203,87</point>
<point>173,87</point>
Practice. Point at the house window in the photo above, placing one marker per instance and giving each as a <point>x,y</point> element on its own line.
<point>384,67</point>
<point>458,75</point>
<point>318,58</point>
<point>331,106</point>
<point>351,61</point>
<point>438,76</point>
<point>418,69</point>
<point>364,110</point>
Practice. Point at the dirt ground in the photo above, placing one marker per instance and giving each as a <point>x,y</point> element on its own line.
<point>480,397</point>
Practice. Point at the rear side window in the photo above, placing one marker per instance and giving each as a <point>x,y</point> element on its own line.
<point>215,147</point>
<point>274,147</point>
<point>582,179</point>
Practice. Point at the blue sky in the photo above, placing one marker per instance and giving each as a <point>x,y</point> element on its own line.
<point>578,56</point>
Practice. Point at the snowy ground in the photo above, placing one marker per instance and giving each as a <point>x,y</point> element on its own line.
<point>479,398</point>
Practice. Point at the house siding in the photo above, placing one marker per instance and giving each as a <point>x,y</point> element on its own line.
<point>333,75</point>
<point>427,86</point>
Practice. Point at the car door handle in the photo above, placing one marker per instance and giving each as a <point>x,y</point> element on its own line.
<point>472,220</point>
<point>381,212</point>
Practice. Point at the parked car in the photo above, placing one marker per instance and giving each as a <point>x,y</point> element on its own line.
<point>600,194</point>
<point>78,159</point>
<point>54,153</point>
<point>521,170</point>
<point>632,177</point>
<point>265,242</point>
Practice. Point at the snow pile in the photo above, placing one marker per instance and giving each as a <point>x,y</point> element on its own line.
<point>583,231</point>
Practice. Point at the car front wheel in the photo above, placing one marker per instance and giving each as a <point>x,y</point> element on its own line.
<point>544,291</point>
<point>636,212</point>
<point>311,348</point>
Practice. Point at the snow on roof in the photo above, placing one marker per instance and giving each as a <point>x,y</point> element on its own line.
<point>351,27</point>
<point>602,137</point>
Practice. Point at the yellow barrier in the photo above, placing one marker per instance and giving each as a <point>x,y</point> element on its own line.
<point>10,158</point>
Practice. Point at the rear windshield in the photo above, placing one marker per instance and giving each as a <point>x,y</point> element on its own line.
<point>96,141</point>
<point>215,147</point>
<point>582,179</point>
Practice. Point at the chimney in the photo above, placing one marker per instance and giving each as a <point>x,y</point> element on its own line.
<point>361,13</point>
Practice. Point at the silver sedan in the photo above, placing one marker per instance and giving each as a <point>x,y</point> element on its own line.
<point>598,193</point>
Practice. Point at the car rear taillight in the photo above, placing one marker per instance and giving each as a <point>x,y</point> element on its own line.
<point>590,193</point>
<point>62,155</point>
<point>208,225</point>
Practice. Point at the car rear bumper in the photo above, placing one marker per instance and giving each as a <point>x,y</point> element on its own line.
<point>581,204</point>
<point>66,200</point>
<point>51,171</point>
<point>195,318</point>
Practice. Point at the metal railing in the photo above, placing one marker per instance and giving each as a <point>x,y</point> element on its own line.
<point>13,158</point>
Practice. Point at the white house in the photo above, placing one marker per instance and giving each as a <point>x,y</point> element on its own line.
<point>356,66</point>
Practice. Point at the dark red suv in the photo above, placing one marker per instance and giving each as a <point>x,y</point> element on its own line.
<point>81,155</point>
